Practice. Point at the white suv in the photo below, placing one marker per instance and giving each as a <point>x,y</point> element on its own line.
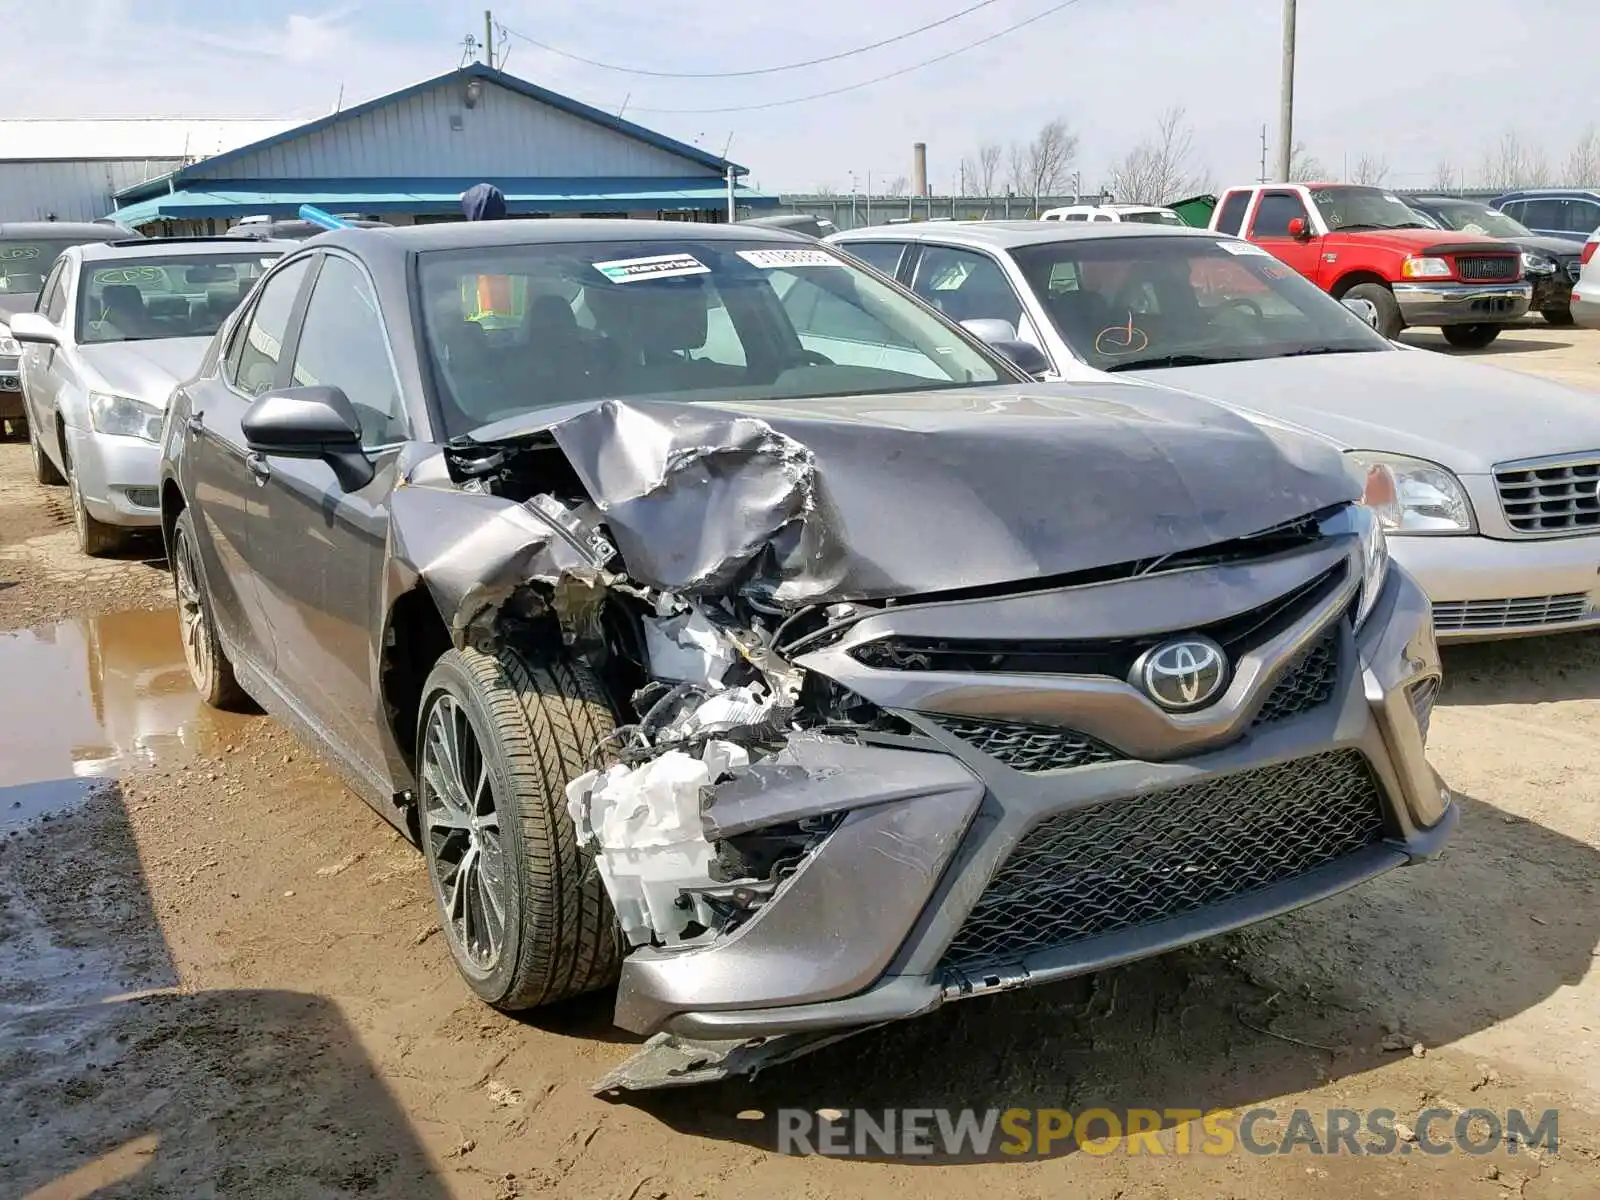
<point>1145,214</point>
<point>1586,292</point>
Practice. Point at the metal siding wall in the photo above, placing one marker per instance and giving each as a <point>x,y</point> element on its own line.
<point>505,135</point>
<point>71,190</point>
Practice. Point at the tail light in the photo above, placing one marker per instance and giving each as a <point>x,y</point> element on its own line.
<point>1588,251</point>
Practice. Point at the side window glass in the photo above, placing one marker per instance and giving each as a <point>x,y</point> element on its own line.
<point>966,286</point>
<point>56,309</point>
<point>1543,214</point>
<point>342,345</point>
<point>1075,217</point>
<point>1584,216</point>
<point>1275,212</point>
<point>51,283</point>
<point>818,315</point>
<point>883,255</point>
<point>1231,219</point>
<point>255,365</point>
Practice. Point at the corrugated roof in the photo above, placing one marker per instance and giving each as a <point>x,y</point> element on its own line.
<point>132,137</point>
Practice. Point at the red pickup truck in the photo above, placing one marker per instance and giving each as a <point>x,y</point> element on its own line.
<point>1364,243</point>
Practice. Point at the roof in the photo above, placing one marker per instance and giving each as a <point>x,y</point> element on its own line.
<point>1005,235</point>
<point>137,248</point>
<point>241,198</point>
<point>473,71</point>
<point>39,139</point>
<point>90,230</point>
<point>466,235</point>
<point>1522,193</point>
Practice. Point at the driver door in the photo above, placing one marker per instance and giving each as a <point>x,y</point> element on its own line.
<point>1270,230</point>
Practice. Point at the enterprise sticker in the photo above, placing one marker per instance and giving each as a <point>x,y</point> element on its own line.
<point>1243,248</point>
<point>769,260</point>
<point>660,266</point>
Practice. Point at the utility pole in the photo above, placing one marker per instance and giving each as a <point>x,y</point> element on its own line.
<point>1286,104</point>
<point>488,38</point>
<point>1262,178</point>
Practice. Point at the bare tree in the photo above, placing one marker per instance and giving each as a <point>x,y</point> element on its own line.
<point>1039,168</point>
<point>1371,169</point>
<point>1305,166</point>
<point>1583,163</point>
<point>982,168</point>
<point>898,186</point>
<point>824,189</point>
<point>1512,163</point>
<point>1161,168</point>
<point>1445,176</point>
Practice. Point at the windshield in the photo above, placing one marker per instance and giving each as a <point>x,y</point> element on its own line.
<point>25,263</point>
<point>1468,216</point>
<point>1365,208</point>
<point>1155,216</point>
<point>138,299</point>
<point>1132,303</point>
<point>510,329</point>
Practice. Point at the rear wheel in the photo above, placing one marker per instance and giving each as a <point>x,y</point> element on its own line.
<point>525,915</point>
<point>1390,322</point>
<point>43,469</point>
<point>209,668</point>
<point>1560,317</point>
<point>1470,337</point>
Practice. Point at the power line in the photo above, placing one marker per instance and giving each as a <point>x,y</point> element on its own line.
<point>852,87</point>
<point>794,66</point>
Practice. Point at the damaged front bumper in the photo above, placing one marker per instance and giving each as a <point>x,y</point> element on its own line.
<point>1027,827</point>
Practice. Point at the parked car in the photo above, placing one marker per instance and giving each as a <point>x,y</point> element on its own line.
<point>806,223</point>
<point>1364,242</point>
<point>268,229</point>
<point>1571,214</point>
<point>118,325</point>
<point>1483,477</point>
<point>28,249</point>
<point>1549,264</point>
<point>1139,214</point>
<point>1586,295</point>
<point>691,620</point>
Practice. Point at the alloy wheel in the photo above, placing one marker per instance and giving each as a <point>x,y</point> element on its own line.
<point>461,826</point>
<point>192,614</point>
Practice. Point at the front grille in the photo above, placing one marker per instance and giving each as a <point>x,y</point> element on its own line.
<point>1488,268</point>
<point>1548,501</point>
<point>1029,748</point>
<point>1460,615</point>
<point>1423,695</point>
<point>1140,859</point>
<point>1308,683</point>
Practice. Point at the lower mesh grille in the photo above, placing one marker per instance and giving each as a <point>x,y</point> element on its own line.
<point>1457,615</point>
<point>1029,748</point>
<point>1423,697</point>
<point>143,497</point>
<point>1308,684</point>
<point>1140,859</point>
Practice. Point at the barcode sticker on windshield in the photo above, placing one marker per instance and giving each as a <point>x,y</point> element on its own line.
<point>659,266</point>
<point>1243,248</point>
<point>769,260</point>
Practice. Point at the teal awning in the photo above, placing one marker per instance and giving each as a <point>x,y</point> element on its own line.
<point>429,197</point>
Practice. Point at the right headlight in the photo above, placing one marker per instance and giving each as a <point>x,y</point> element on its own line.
<point>1365,525</point>
<point>124,416</point>
<point>1411,495</point>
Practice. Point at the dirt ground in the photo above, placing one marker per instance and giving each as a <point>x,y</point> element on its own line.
<point>219,975</point>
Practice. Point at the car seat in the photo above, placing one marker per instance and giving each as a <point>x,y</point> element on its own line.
<point>122,306</point>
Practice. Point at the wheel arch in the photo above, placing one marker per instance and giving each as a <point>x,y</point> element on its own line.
<point>172,506</point>
<point>1355,279</point>
<point>415,637</point>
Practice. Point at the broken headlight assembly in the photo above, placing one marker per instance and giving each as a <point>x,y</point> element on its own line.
<point>1364,524</point>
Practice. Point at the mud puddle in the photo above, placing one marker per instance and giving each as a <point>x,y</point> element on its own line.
<point>87,699</point>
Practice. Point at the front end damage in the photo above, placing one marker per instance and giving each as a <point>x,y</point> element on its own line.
<point>842,798</point>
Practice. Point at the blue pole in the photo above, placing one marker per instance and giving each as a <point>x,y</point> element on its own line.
<point>309,212</point>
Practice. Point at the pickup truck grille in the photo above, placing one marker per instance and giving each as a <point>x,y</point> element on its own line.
<point>1550,499</point>
<point>1488,268</point>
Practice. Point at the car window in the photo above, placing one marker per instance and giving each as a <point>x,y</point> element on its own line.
<point>342,344</point>
<point>24,263</point>
<point>685,317</point>
<point>47,302</point>
<point>1517,210</point>
<point>1579,215</point>
<point>1275,212</point>
<point>261,346</point>
<point>150,297</point>
<point>1150,302</point>
<point>1231,217</point>
<point>966,286</point>
<point>1075,217</point>
<point>885,256</point>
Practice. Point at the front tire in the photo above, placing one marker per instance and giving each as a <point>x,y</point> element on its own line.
<point>209,668</point>
<point>1390,322</point>
<point>44,471</point>
<point>525,914</point>
<point>1470,337</point>
<point>95,538</point>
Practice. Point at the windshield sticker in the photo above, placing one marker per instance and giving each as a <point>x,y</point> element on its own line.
<point>131,275</point>
<point>1243,248</point>
<point>659,266</point>
<point>16,253</point>
<point>770,260</point>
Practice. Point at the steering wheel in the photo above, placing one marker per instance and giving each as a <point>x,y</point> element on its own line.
<point>1242,302</point>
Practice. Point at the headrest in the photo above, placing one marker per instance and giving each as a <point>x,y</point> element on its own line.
<point>551,314</point>
<point>122,295</point>
<point>653,316</point>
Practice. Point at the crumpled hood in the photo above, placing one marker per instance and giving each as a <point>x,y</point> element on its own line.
<point>149,370</point>
<point>910,493</point>
<point>1464,415</point>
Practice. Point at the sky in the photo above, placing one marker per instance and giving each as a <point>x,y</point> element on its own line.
<point>1417,82</point>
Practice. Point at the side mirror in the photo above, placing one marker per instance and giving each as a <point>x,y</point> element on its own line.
<point>1297,228</point>
<point>310,422</point>
<point>1025,356</point>
<point>1365,309</point>
<point>990,330</point>
<point>34,329</point>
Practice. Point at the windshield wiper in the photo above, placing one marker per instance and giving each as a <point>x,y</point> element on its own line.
<point>1175,360</point>
<point>1328,350</point>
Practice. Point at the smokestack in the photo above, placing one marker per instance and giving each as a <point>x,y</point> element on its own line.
<point>919,169</point>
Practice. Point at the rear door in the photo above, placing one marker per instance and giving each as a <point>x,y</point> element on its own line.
<point>223,490</point>
<point>320,557</point>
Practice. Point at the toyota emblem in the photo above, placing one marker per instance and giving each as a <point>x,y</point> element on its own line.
<point>1183,674</point>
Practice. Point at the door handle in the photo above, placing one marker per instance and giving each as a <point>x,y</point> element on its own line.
<point>259,467</point>
<point>196,425</point>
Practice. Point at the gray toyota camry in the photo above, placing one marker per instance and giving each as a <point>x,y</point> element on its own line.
<point>726,625</point>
